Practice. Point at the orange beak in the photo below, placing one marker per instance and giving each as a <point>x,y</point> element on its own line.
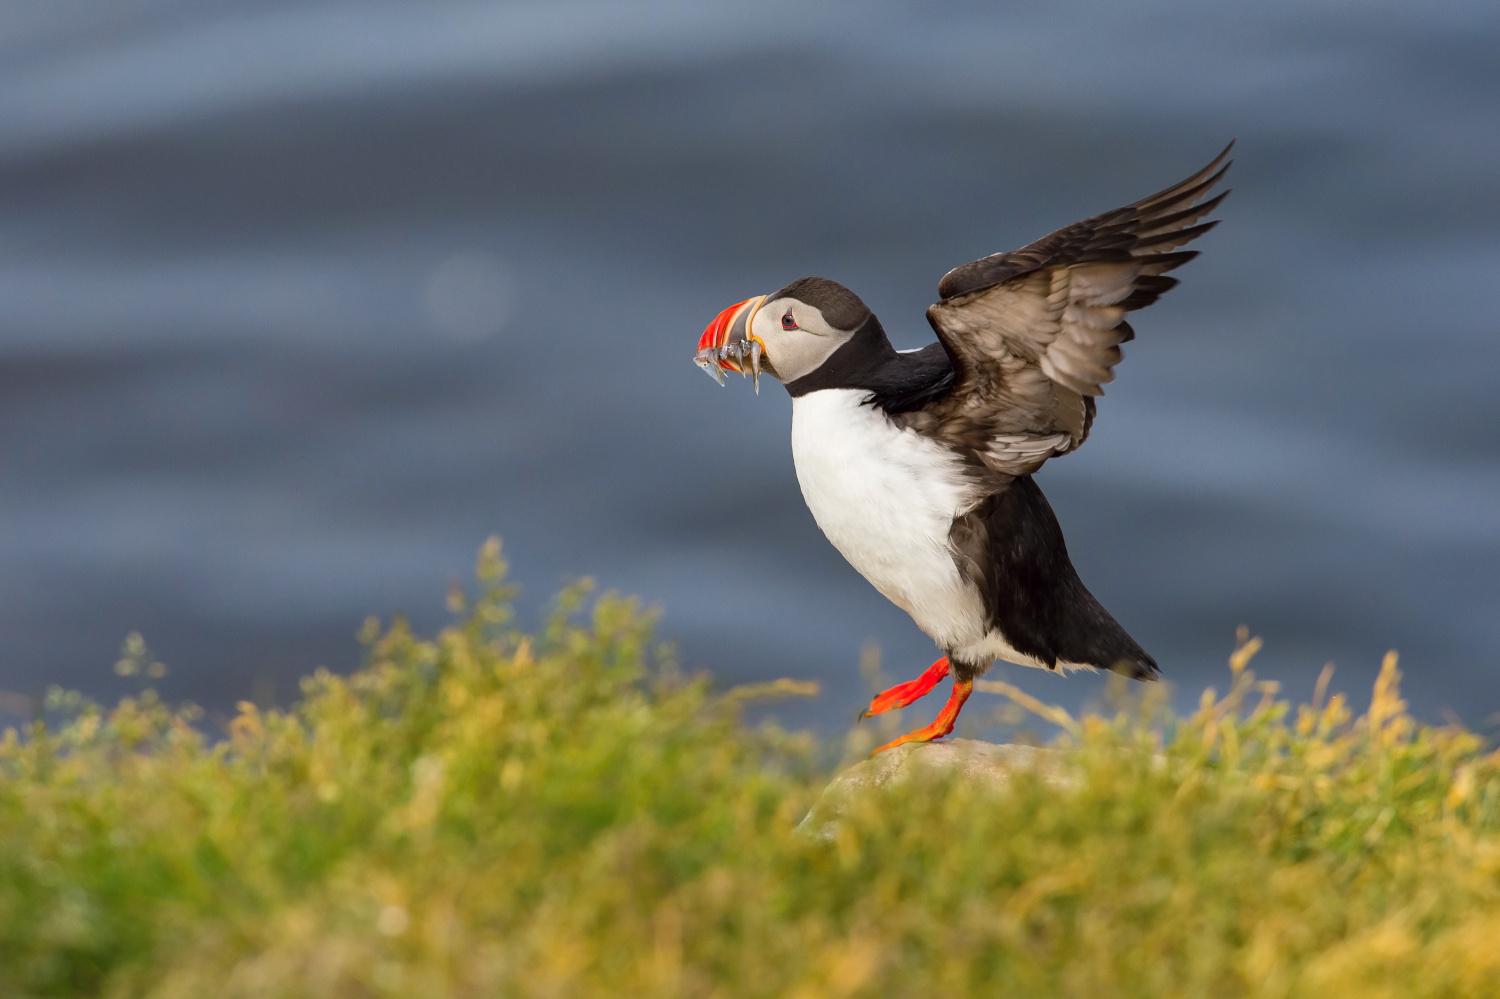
<point>728,344</point>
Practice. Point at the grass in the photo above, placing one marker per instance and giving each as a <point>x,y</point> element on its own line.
<point>490,813</point>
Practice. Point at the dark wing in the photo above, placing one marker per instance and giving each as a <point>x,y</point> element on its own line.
<point>1034,334</point>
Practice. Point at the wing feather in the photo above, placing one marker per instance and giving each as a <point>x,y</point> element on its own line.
<point>1034,334</point>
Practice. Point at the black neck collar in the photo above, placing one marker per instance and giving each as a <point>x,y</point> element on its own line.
<point>896,382</point>
<point>858,363</point>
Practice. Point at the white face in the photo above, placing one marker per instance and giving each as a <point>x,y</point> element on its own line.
<point>797,337</point>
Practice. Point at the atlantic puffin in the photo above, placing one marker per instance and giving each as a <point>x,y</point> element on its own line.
<point>917,465</point>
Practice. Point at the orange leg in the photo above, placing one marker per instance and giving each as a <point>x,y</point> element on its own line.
<point>906,693</point>
<point>943,723</point>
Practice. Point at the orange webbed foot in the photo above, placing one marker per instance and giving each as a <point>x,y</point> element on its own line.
<point>906,693</point>
<point>943,723</point>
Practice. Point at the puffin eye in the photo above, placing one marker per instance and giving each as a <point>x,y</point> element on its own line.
<point>787,322</point>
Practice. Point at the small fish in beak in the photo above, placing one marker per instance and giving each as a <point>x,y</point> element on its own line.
<point>728,345</point>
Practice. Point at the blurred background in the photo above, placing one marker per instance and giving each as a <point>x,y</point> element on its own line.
<point>299,301</point>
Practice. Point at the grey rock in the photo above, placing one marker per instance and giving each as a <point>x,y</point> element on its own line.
<point>985,763</point>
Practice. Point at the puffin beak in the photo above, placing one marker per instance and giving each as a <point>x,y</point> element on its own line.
<point>728,345</point>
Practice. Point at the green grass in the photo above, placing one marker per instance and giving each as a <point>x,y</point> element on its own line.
<point>487,813</point>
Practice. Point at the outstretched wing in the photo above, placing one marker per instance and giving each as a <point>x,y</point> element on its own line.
<point>1034,334</point>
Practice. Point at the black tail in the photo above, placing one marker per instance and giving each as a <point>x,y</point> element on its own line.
<point>1012,547</point>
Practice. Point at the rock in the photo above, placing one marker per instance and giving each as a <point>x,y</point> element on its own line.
<point>984,763</point>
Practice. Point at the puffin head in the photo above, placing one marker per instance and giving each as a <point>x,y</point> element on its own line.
<point>787,334</point>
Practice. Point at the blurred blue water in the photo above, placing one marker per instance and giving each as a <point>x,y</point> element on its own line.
<point>299,301</point>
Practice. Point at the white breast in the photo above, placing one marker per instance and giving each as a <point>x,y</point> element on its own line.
<point>886,498</point>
